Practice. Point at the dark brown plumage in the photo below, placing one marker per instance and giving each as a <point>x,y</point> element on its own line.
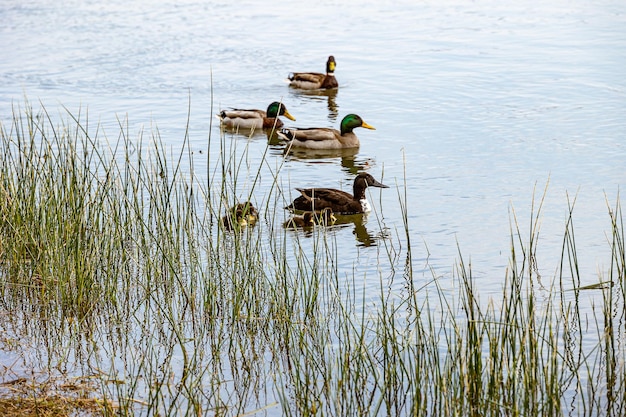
<point>298,222</point>
<point>341,202</point>
<point>308,219</point>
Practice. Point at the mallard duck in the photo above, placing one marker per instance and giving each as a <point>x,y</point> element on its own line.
<point>336,200</point>
<point>241,215</point>
<point>315,80</point>
<point>255,119</point>
<point>326,137</point>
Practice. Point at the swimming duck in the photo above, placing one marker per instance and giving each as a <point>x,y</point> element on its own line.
<point>255,119</point>
<point>315,80</point>
<point>310,218</point>
<point>326,217</point>
<point>336,200</point>
<point>242,214</point>
<point>298,222</point>
<point>325,137</point>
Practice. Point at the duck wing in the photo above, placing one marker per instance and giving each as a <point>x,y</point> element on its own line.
<point>320,198</point>
<point>310,77</point>
<point>312,134</point>
<point>242,114</point>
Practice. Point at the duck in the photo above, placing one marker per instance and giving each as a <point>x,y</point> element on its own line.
<point>315,80</point>
<point>325,217</point>
<point>338,201</point>
<point>240,215</point>
<point>300,222</point>
<point>326,137</point>
<point>255,119</point>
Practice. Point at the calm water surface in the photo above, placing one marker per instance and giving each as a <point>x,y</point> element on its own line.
<point>478,106</point>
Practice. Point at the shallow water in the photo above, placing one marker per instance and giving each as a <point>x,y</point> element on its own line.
<point>478,106</point>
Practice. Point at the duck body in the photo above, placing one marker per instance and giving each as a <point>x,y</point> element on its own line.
<point>341,202</point>
<point>325,137</point>
<point>241,215</point>
<point>326,217</point>
<point>315,80</point>
<point>300,222</point>
<point>253,118</point>
<point>308,219</point>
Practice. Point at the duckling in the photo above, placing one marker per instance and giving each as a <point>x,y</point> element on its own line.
<point>325,137</point>
<point>241,215</point>
<point>326,217</point>
<point>315,80</point>
<point>336,200</point>
<point>255,119</point>
<point>298,222</point>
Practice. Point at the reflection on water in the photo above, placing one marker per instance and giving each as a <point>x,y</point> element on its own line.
<point>318,95</point>
<point>305,224</point>
<point>350,162</point>
<point>249,133</point>
<point>363,236</point>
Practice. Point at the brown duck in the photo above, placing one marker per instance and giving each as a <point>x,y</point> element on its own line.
<point>315,80</point>
<point>253,118</point>
<point>240,215</point>
<point>341,202</point>
<point>308,219</point>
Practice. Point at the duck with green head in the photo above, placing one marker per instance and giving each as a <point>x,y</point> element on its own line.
<point>340,202</point>
<point>315,80</point>
<point>325,137</point>
<point>253,118</point>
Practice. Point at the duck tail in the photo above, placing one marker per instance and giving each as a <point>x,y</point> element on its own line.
<point>285,134</point>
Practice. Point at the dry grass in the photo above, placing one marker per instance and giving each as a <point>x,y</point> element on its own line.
<point>52,398</point>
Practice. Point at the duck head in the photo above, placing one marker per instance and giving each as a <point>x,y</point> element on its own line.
<point>362,181</point>
<point>330,65</point>
<point>278,109</point>
<point>351,122</point>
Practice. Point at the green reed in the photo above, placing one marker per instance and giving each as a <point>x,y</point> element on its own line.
<point>115,263</point>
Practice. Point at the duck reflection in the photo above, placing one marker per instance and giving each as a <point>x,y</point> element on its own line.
<point>253,132</point>
<point>308,220</point>
<point>319,95</point>
<point>363,236</point>
<point>349,161</point>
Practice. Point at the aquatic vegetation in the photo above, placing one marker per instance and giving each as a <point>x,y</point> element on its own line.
<point>116,267</point>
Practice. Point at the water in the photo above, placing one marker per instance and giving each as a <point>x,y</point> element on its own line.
<point>478,106</point>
